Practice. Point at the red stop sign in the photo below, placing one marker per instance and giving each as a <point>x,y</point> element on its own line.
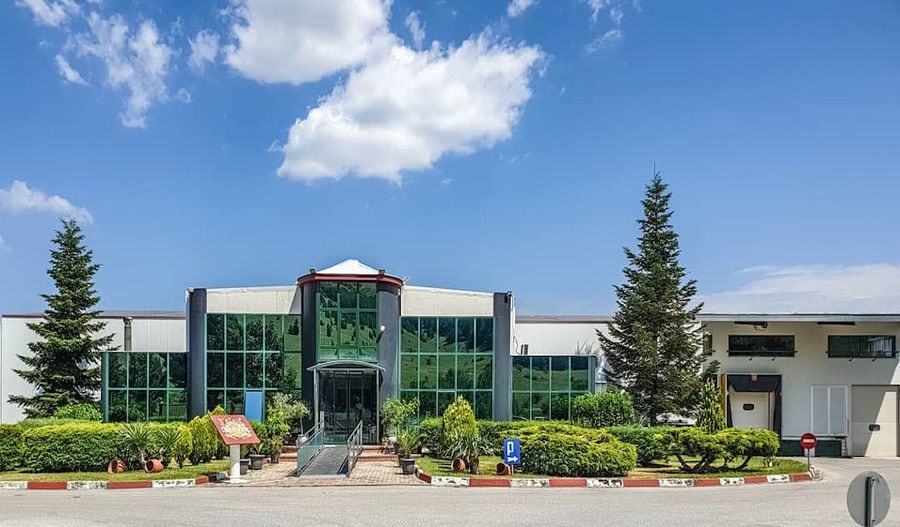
<point>808,441</point>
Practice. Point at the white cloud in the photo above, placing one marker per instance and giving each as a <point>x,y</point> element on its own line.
<point>136,61</point>
<point>19,198</point>
<point>410,108</point>
<point>68,73</point>
<point>183,95</point>
<point>416,28</point>
<point>596,7</point>
<point>616,14</point>
<point>204,49</point>
<point>300,41</point>
<point>607,41</point>
<point>3,246</point>
<point>50,13</point>
<point>873,288</point>
<point>517,7</point>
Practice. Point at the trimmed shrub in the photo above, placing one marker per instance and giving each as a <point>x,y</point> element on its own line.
<point>10,447</point>
<point>568,455</point>
<point>80,412</point>
<point>184,445</point>
<point>205,440</point>
<point>431,432</point>
<point>652,443</point>
<point>599,410</point>
<point>728,445</point>
<point>72,447</point>
<point>459,419</point>
<point>28,424</point>
<point>710,417</point>
<point>220,450</point>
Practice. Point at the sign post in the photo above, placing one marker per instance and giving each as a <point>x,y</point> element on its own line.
<point>511,452</point>
<point>235,431</point>
<point>808,442</point>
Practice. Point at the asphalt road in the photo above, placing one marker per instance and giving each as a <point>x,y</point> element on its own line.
<point>820,504</point>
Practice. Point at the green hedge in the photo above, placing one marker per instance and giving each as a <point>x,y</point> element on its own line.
<point>652,443</point>
<point>72,447</point>
<point>600,410</point>
<point>10,447</point>
<point>570,455</point>
<point>729,445</point>
<point>28,424</point>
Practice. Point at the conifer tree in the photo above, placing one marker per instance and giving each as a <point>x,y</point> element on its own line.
<point>710,417</point>
<point>64,366</point>
<point>654,348</point>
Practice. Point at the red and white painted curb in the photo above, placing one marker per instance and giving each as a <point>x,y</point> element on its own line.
<point>449,481</point>
<point>103,485</point>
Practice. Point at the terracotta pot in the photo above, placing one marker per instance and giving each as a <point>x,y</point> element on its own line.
<point>116,466</point>
<point>503,469</point>
<point>458,465</point>
<point>153,465</point>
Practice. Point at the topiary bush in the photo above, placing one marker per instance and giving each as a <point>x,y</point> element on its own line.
<point>568,455</point>
<point>652,443</point>
<point>710,417</point>
<point>205,440</point>
<point>728,445</point>
<point>10,447</point>
<point>459,418</point>
<point>80,412</point>
<point>431,434</point>
<point>608,408</point>
<point>184,445</point>
<point>72,447</point>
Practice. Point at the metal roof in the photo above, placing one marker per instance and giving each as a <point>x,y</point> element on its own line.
<point>799,317</point>
<point>562,319</point>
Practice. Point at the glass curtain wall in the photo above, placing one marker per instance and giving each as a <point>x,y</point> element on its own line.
<point>250,352</point>
<point>144,386</point>
<point>441,358</point>
<point>348,321</point>
<point>543,387</point>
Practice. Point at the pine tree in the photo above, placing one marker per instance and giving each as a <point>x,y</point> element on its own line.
<point>654,346</point>
<point>64,365</point>
<point>710,417</point>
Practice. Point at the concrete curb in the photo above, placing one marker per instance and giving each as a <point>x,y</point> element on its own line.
<point>444,481</point>
<point>103,485</point>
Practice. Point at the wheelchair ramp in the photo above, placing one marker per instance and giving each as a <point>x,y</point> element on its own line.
<point>331,461</point>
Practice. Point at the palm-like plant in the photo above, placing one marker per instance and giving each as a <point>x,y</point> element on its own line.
<point>468,445</point>
<point>137,438</point>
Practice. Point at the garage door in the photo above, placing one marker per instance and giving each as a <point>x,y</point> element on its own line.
<point>873,425</point>
<point>750,410</point>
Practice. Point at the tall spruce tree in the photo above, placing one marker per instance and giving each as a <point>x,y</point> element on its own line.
<point>654,348</point>
<point>64,366</point>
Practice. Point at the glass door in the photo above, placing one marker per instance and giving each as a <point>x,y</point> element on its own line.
<point>345,399</point>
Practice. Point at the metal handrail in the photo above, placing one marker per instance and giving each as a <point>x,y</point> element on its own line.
<point>309,449</point>
<point>354,447</point>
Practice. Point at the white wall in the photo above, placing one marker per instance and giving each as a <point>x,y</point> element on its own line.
<point>810,366</point>
<point>276,300</point>
<point>148,334</point>
<point>433,302</point>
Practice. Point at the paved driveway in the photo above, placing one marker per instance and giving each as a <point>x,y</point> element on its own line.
<point>820,504</point>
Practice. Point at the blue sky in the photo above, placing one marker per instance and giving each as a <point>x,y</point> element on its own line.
<point>484,145</point>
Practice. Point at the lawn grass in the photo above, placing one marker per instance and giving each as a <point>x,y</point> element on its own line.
<point>757,467</point>
<point>173,472</point>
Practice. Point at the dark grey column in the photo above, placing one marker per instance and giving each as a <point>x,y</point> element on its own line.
<point>389,340</point>
<point>196,342</point>
<point>502,357</point>
<point>308,341</point>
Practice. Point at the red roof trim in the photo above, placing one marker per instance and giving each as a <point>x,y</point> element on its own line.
<point>316,277</point>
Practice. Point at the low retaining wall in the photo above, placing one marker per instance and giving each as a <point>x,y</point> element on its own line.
<point>102,485</point>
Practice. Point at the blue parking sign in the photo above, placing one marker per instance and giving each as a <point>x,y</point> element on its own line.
<point>511,452</point>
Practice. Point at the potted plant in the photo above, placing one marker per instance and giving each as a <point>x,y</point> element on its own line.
<point>396,414</point>
<point>277,430</point>
<point>407,443</point>
<point>466,446</point>
<point>257,452</point>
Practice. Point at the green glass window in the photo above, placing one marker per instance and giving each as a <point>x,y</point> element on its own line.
<point>137,370</point>
<point>255,331</point>
<point>215,370</point>
<point>254,370</point>
<point>543,387</point>
<point>348,321</point>
<point>292,333</point>
<point>215,332</point>
<point>177,370</point>
<point>234,332</point>
<point>274,333</point>
<point>441,359</point>
<point>234,370</point>
<point>158,370</point>
<point>118,370</point>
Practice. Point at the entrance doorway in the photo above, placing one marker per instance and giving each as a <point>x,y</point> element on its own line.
<point>347,394</point>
